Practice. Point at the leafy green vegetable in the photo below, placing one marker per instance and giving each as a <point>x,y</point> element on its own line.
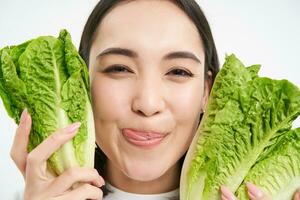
<point>278,173</point>
<point>245,122</point>
<point>47,76</point>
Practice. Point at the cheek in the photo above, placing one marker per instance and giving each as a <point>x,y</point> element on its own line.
<point>109,99</point>
<point>186,102</point>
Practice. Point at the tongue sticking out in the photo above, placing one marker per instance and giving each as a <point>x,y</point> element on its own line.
<point>142,136</point>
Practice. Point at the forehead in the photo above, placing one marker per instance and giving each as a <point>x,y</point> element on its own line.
<point>152,24</point>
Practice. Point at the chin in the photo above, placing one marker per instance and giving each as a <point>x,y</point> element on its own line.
<point>144,171</point>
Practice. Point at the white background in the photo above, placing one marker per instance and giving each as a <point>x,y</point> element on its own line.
<point>263,32</point>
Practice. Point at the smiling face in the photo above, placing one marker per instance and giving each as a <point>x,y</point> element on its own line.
<point>147,78</point>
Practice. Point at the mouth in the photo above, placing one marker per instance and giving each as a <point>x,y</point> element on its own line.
<point>143,139</point>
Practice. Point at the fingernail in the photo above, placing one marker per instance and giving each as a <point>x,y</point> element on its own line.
<point>297,195</point>
<point>100,184</point>
<point>223,197</point>
<point>73,127</point>
<point>23,116</point>
<point>227,193</point>
<point>254,191</point>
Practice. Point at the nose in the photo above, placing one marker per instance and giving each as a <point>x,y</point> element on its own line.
<point>149,98</point>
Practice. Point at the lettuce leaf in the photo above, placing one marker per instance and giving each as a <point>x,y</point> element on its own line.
<point>47,76</point>
<point>278,173</point>
<point>245,116</point>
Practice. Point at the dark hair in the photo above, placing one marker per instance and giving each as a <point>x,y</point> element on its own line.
<point>190,7</point>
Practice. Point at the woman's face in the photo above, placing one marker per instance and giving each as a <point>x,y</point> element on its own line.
<point>147,78</point>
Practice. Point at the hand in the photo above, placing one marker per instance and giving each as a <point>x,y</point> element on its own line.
<point>254,193</point>
<point>39,183</point>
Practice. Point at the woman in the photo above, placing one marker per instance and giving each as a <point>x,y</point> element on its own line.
<point>151,64</point>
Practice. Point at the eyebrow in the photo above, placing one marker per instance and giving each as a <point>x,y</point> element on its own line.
<point>132,54</point>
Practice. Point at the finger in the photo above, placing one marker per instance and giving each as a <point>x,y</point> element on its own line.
<point>74,175</point>
<point>39,155</point>
<point>226,194</point>
<point>255,193</point>
<point>85,191</point>
<point>297,195</point>
<point>18,150</point>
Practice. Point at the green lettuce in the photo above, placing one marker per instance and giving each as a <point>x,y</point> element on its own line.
<point>247,120</point>
<point>278,172</point>
<point>47,76</point>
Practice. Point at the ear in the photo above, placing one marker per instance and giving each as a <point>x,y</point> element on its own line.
<point>207,89</point>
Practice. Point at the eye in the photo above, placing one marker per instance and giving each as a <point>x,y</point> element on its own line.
<point>116,69</point>
<point>180,72</point>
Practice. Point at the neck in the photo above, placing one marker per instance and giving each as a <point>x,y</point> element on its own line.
<point>165,183</point>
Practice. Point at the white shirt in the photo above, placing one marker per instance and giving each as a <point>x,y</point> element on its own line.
<point>117,194</point>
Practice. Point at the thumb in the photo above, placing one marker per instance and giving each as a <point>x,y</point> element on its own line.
<point>255,193</point>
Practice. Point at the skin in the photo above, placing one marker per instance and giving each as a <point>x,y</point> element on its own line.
<point>148,95</point>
